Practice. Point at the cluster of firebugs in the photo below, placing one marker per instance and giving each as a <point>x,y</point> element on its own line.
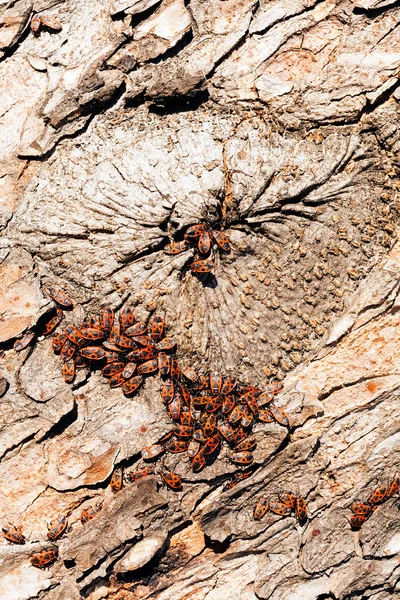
<point>207,410</point>
<point>202,238</point>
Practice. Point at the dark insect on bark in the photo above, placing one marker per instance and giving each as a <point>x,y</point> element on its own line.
<point>172,480</point>
<point>61,298</point>
<point>24,341</point>
<point>242,458</point>
<point>57,528</point>
<point>261,508</point>
<point>202,266</point>
<point>131,385</point>
<point>45,558</point>
<point>90,512</point>
<point>153,451</point>
<point>222,240</point>
<point>13,534</point>
<point>116,480</point>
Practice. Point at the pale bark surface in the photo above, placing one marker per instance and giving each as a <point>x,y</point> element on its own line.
<point>279,120</point>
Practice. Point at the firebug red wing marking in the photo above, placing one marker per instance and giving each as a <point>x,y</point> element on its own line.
<point>116,480</point>
<point>228,385</point>
<point>127,318</point>
<point>172,480</point>
<point>68,350</point>
<point>378,496</point>
<point>61,298</point>
<point>261,508</point>
<point>279,415</point>
<point>142,353</point>
<point>137,329</point>
<point>214,404</point>
<point>198,461</point>
<point>237,413</point>
<point>222,240</point>
<point>68,370</point>
<point>195,414</point>
<point>301,510</point>
<point>13,534</point>
<point>361,508</point>
<point>109,345</point>
<point>150,452</point>
<point>185,418</point>
<point>264,399</point>
<point>228,404</point>
<point>58,342</point>
<point>183,431</point>
<point>112,356</point>
<point>57,528</point>
<point>193,448</point>
<point>209,425</point>
<point>175,247</point>
<point>195,230</point>
<point>189,373</point>
<point>239,435</point>
<point>51,22</point>
<point>51,325</point>
<point>156,326</point>
<point>45,558</point>
<point>247,445</point>
<point>212,444</point>
<point>175,369</point>
<point>265,416</point>
<point>186,397</point>
<point>166,344</point>
<point>129,370</point>
<point>148,367</point>
<point>177,446</point>
<point>117,380</point>
<point>199,436</point>
<point>167,391</point>
<point>90,512</point>
<point>356,521</point>
<point>279,508</point>
<point>251,400</point>
<point>111,369</point>
<point>131,385</point>
<point>124,342</point>
<point>204,243</point>
<point>92,352</point>
<point>201,400</point>
<point>107,318</point>
<point>288,498</point>
<point>74,335</point>
<point>202,266</point>
<point>164,363</point>
<point>247,419</point>
<point>242,458</point>
<point>215,382</point>
<point>90,333</point>
<point>23,342</point>
<point>226,431</point>
<point>143,340</point>
<point>140,473</point>
<point>174,408</point>
<point>394,487</point>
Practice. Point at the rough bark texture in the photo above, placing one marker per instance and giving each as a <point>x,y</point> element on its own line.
<point>278,120</point>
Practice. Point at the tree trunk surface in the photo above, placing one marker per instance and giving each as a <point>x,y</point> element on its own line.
<point>277,122</point>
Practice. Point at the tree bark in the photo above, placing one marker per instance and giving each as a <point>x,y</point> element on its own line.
<point>276,122</point>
